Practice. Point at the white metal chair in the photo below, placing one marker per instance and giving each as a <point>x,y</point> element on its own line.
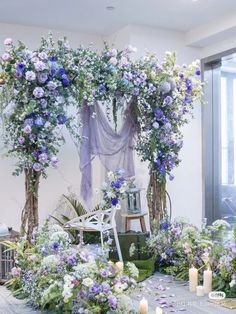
<point>99,220</point>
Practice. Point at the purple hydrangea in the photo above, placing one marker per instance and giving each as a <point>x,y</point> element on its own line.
<point>61,118</point>
<point>96,288</point>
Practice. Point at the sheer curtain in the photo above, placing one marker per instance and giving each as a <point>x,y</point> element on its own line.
<point>115,149</point>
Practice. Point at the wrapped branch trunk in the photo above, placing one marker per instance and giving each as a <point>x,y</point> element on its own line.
<point>156,197</point>
<point>29,217</point>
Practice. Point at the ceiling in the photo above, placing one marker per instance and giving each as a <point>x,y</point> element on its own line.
<point>91,16</point>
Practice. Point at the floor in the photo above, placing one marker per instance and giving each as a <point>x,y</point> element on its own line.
<point>159,290</point>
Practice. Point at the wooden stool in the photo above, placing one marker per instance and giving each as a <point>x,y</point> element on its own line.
<point>129,217</point>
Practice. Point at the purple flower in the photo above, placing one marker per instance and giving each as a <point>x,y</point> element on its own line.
<point>181,75</point>
<point>116,185</point>
<point>37,166</point>
<point>171,177</point>
<point>102,88</point>
<point>54,161</point>
<point>106,287</point>
<point>198,72</point>
<point>104,272</point>
<point>55,245</point>
<point>20,67</point>
<point>187,100</point>
<point>96,288</point>
<point>27,129</point>
<point>174,115</point>
<point>53,59</point>
<point>66,81</point>
<point>38,92</point>
<point>39,66</point>
<point>168,100</point>
<point>43,158</point>
<point>39,121</point>
<point>136,91</point>
<point>61,118</point>
<point>21,140</point>
<point>32,137</point>
<point>43,103</point>
<point>42,77</point>
<point>114,201</point>
<point>30,76</point>
<point>158,113</point>
<point>128,76</point>
<point>72,260</point>
<point>112,302</point>
<point>51,85</point>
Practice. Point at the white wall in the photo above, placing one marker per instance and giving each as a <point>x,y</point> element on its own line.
<point>185,190</point>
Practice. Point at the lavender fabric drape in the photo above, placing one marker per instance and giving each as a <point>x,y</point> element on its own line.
<point>115,149</point>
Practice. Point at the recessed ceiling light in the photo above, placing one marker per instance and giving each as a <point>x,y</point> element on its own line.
<point>110,8</point>
<point>194,0</point>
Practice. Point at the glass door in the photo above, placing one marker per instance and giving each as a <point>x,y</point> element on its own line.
<point>219,138</point>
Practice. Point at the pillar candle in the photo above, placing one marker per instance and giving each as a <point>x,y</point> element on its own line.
<point>207,280</point>
<point>120,266</point>
<point>200,291</point>
<point>143,306</point>
<point>159,310</point>
<point>193,279</point>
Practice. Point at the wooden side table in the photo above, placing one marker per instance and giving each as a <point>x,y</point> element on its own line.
<point>129,217</point>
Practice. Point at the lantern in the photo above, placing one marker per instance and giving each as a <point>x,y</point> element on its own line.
<point>133,200</point>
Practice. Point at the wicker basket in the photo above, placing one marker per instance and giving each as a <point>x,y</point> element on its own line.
<point>6,256</point>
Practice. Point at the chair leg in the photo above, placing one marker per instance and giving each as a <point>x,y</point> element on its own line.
<point>117,245</point>
<point>81,237</point>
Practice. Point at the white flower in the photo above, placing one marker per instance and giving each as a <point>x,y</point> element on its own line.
<point>132,269</point>
<point>120,287</point>
<point>43,56</point>
<point>67,292</point>
<point>113,61</point>
<point>232,283</point>
<point>51,262</point>
<point>8,42</point>
<point>39,66</point>
<point>113,52</point>
<point>163,256</point>
<point>111,175</point>
<point>30,76</point>
<point>155,125</point>
<point>6,56</point>
<point>88,282</point>
<point>220,223</point>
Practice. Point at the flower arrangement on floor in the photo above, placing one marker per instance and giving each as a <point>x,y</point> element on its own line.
<point>178,245</point>
<point>52,274</point>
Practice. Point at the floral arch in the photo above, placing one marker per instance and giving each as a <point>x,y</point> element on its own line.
<point>37,87</point>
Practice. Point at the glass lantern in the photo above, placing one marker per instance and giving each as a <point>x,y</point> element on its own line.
<point>133,200</point>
